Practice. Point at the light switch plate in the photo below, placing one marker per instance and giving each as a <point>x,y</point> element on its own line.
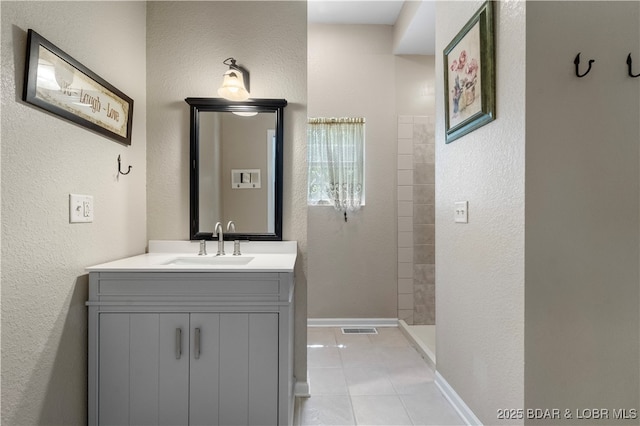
<point>80,208</point>
<point>461,213</point>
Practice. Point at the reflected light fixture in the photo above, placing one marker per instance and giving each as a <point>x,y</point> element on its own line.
<point>235,85</point>
<point>246,114</point>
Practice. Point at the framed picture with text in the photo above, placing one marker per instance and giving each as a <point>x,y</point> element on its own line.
<point>469,76</point>
<point>59,84</point>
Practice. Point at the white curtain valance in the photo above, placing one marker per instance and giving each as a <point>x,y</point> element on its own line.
<point>333,120</point>
<point>336,162</point>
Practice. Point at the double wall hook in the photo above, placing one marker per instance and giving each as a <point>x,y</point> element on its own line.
<point>120,170</point>
<point>576,61</point>
<point>629,63</point>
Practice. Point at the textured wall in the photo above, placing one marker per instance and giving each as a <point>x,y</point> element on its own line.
<point>44,158</point>
<point>480,265</point>
<point>186,44</point>
<point>352,265</point>
<point>582,194</point>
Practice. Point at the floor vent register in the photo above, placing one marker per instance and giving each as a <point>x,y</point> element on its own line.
<point>359,330</point>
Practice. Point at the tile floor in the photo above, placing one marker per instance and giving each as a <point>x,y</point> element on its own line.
<point>369,380</point>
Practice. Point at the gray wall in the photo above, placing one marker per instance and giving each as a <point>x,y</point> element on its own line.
<point>247,150</point>
<point>353,268</point>
<point>44,158</point>
<point>352,265</point>
<point>480,265</point>
<point>186,44</point>
<point>582,310</point>
<point>568,180</point>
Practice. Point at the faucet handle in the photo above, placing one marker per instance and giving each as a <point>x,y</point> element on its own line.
<point>203,248</point>
<point>236,248</point>
<point>231,225</point>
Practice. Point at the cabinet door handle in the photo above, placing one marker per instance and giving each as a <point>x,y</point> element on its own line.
<point>196,343</point>
<point>178,343</point>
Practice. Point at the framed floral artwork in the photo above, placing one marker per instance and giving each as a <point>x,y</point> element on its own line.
<point>469,76</point>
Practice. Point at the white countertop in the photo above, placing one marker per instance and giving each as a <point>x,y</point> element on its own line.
<point>262,256</point>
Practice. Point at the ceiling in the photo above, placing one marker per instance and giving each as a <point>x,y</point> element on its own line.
<point>418,37</point>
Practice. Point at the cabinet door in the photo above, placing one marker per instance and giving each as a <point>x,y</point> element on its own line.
<point>249,369</point>
<point>263,369</point>
<point>143,377</point>
<point>234,369</point>
<point>173,371</point>
<point>113,369</point>
<point>204,372</point>
<point>234,379</point>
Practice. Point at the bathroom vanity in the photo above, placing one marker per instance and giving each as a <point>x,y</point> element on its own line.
<point>181,339</point>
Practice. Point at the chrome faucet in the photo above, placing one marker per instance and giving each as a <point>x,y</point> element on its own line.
<point>236,243</point>
<point>218,230</point>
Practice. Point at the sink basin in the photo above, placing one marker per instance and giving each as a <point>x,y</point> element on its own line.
<point>210,261</point>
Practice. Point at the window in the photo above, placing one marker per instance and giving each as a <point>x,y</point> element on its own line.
<point>335,153</point>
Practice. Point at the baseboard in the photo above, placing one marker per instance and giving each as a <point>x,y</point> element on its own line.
<point>301,390</point>
<point>352,322</point>
<point>452,396</point>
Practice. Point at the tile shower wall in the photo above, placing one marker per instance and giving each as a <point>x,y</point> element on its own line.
<point>416,220</point>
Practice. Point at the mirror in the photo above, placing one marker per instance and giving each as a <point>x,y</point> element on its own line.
<point>236,168</point>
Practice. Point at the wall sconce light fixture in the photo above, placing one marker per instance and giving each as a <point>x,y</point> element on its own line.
<point>235,85</point>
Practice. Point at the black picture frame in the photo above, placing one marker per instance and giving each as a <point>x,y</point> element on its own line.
<point>469,76</point>
<point>57,83</point>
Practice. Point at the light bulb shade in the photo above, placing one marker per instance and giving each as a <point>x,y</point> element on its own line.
<point>233,87</point>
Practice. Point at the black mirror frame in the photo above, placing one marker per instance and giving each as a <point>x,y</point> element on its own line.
<point>198,105</point>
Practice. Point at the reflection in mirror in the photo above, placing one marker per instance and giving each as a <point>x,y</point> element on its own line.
<point>241,149</point>
<point>236,174</point>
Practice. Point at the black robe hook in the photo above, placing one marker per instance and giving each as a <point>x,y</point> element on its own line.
<point>629,63</point>
<point>120,170</point>
<point>577,63</point>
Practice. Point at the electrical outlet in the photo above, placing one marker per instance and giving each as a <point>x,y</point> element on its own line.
<point>80,208</point>
<point>461,213</point>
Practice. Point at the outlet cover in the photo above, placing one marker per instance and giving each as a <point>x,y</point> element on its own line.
<point>80,208</point>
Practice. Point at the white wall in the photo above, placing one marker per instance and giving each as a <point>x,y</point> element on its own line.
<point>44,158</point>
<point>415,85</point>
<point>582,194</point>
<point>352,265</point>
<point>186,44</point>
<point>480,265</point>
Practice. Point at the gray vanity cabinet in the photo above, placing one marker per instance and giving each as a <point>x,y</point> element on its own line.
<point>141,380</point>
<point>190,348</point>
